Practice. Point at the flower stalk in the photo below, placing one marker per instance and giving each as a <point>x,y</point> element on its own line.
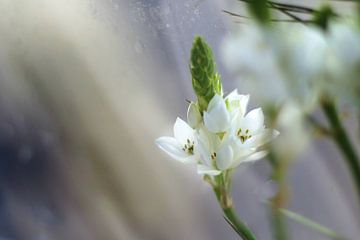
<point>342,140</point>
<point>222,192</point>
<point>280,167</point>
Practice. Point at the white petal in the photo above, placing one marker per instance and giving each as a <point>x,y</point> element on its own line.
<point>193,115</point>
<point>203,169</point>
<point>183,132</point>
<point>255,156</point>
<point>254,120</point>
<point>204,151</point>
<point>224,157</point>
<point>171,146</point>
<point>238,102</point>
<point>216,100</point>
<point>261,138</point>
<point>217,118</point>
<point>241,154</point>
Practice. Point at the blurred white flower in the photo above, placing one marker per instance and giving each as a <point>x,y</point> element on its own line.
<point>296,62</point>
<point>294,137</point>
<point>344,63</point>
<point>278,63</point>
<point>303,54</point>
<point>250,55</point>
<point>183,146</point>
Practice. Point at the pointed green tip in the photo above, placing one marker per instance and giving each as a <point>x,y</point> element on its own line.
<point>205,80</point>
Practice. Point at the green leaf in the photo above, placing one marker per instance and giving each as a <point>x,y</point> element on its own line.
<point>311,224</point>
<point>205,80</point>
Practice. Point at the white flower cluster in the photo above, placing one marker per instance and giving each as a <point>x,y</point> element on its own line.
<point>220,138</point>
<point>296,61</point>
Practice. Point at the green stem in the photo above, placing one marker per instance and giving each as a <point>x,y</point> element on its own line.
<point>343,142</point>
<point>225,201</point>
<point>278,223</point>
<point>240,227</point>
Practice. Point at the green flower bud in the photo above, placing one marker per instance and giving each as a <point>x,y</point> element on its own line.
<point>205,80</point>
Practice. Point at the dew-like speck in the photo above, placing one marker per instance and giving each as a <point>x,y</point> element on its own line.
<point>196,11</point>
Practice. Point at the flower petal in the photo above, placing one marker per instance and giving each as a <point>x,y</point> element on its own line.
<point>193,115</point>
<point>217,118</point>
<point>254,120</point>
<point>261,138</point>
<point>224,157</point>
<point>204,150</point>
<point>240,154</point>
<point>183,132</point>
<point>171,146</point>
<point>203,169</point>
<point>237,102</point>
<point>255,156</point>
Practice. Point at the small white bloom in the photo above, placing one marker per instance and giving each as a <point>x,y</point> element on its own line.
<point>217,154</point>
<point>182,146</point>
<point>250,133</point>
<point>217,117</point>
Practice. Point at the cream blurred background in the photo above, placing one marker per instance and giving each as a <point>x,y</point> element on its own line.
<point>85,88</point>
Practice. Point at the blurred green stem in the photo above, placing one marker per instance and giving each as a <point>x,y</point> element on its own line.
<point>223,196</point>
<point>342,140</point>
<point>280,167</point>
<point>311,224</point>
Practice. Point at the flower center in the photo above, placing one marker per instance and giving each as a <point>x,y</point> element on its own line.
<point>243,136</point>
<point>213,156</point>
<point>189,147</point>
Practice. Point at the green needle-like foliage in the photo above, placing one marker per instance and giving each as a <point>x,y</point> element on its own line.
<point>205,80</point>
<point>323,16</point>
<point>260,10</point>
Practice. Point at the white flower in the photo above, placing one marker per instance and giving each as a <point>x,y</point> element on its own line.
<point>225,138</point>
<point>182,146</point>
<point>217,117</point>
<point>249,133</point>
<point>240,144</point>
<point>217,153</point>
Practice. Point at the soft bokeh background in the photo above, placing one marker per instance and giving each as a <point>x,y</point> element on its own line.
<point>85,88</point>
